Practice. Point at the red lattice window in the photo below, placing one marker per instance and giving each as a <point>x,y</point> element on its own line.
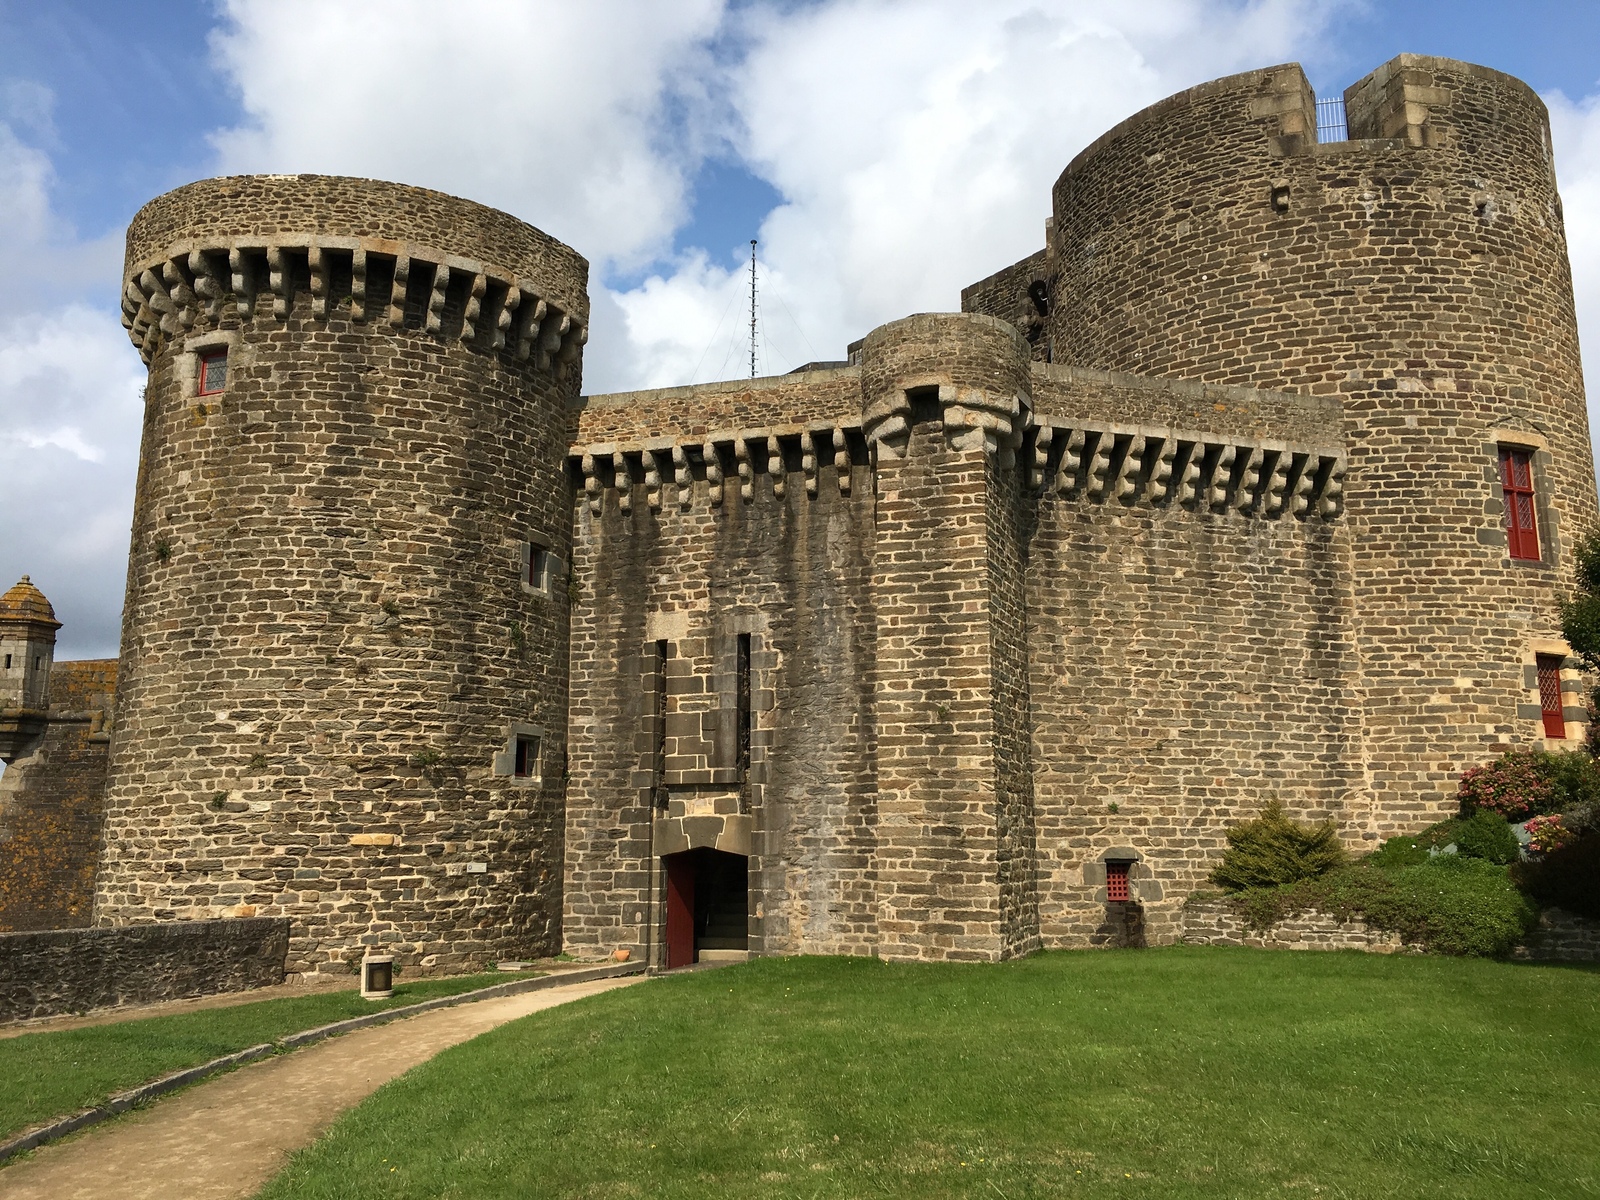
<point>1516,484</point>
<point>1117,881</point>
<point>1555,725</point>
<point>213,372</point>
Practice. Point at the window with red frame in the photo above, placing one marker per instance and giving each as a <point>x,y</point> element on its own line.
<point>1516,485</point>
<point>213,372</point>
<point>1117,882</point>
<point>1555,725</point>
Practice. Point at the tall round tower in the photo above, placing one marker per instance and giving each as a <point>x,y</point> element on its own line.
<point>343,688</point>
<point>1418,272</point>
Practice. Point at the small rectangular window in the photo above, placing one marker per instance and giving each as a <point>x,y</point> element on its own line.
<point>1117,882</point>
<point>8,662</point>
<point>1516,486</point>
<point>213,371</point>
<point>527,758</point>
<point>538,563</point>
<point>1555,725</point>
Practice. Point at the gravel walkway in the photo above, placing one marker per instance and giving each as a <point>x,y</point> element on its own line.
<point>226,1138</point>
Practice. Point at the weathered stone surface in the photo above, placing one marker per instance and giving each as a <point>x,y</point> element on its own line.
<point>73,970</point>
<point>1196,508</point>
<point>52,798</point>
<point>1560,936</point>
<point>327,638</point>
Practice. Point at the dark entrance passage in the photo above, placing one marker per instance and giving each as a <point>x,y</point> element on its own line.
<point>708,902</point>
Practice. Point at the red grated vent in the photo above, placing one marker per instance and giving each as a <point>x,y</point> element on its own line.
<point>1117,881</point>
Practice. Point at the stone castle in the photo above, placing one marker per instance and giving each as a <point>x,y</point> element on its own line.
<point>1257,481</point>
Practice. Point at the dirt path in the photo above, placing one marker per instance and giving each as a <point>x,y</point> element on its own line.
<point>226,1138</point>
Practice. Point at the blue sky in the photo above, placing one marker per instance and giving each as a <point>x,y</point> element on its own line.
<point>884,151</point>
<point>135,92</point>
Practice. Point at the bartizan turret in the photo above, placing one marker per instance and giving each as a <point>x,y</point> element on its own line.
<point>27,649</point>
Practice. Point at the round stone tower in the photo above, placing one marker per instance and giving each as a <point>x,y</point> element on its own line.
<point>1418,272</point>
<point>343,688</point>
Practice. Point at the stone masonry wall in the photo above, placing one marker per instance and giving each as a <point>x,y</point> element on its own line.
<point>1214,923</point>
<point>1020,296</point>
<point>780,554</point>
<point>52,803</point>
<point>1189,664</point>
<point>1559,937</point>
<point>1421,278</point>
<point>330,637</point>
<point>46,974</point>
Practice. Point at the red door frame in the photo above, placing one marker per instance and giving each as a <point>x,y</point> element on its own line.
<point>680,910</point>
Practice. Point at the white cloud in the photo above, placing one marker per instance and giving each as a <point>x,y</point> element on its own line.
<point>558,113</point>
<point>1575,132</point>
<point>70,395</point>
<point>915,145</point>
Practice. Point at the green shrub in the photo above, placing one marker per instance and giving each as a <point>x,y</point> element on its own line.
<point>1580,615</point>
<point>1437,837</point>
<point>1568,878</point>
<point>1449,905</point>
<point>1573,774</point>
<point>1488,835</point>
<point>1272,850</point>
<point>1399,852</point>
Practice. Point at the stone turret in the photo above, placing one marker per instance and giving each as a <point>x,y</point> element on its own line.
<point>27,648</point>
<point>343,685</point>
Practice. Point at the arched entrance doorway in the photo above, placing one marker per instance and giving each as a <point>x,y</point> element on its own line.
<point>708,905</point>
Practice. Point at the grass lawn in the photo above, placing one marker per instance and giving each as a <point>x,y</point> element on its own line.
<point>1180,1072</point>
<point>45,1075</point>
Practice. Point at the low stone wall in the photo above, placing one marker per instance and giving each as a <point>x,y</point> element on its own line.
<point>1215,923</point>
<point>1560,937</point>
<point>57,971</point>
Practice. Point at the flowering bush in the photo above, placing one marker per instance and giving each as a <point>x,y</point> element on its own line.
<point>1548,834</point>
<point>1512,785</point>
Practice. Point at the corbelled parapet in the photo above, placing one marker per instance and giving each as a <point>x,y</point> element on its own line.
<point>364,249</point>
<point>344,653</point>
<point>971,369</point>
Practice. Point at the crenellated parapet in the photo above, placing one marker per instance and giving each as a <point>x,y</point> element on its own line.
<point>190,285</point>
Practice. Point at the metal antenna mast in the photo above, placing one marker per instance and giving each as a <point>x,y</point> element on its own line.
<point>752,308</point>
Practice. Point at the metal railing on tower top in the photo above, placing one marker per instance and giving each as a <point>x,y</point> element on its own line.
<point>1331,125</point>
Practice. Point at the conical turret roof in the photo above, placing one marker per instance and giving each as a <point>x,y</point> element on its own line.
<point>24,602</point>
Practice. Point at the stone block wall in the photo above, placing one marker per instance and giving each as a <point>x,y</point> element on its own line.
<point>52,804</point>
<point>1020,295</point>
<point>752,533</point>
<point>1560,936</point>
<point>1191,656</point>
<point>331,638</point>
<point>1214,923</point>
<point>1419,275</point>
<point>46,974</point>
